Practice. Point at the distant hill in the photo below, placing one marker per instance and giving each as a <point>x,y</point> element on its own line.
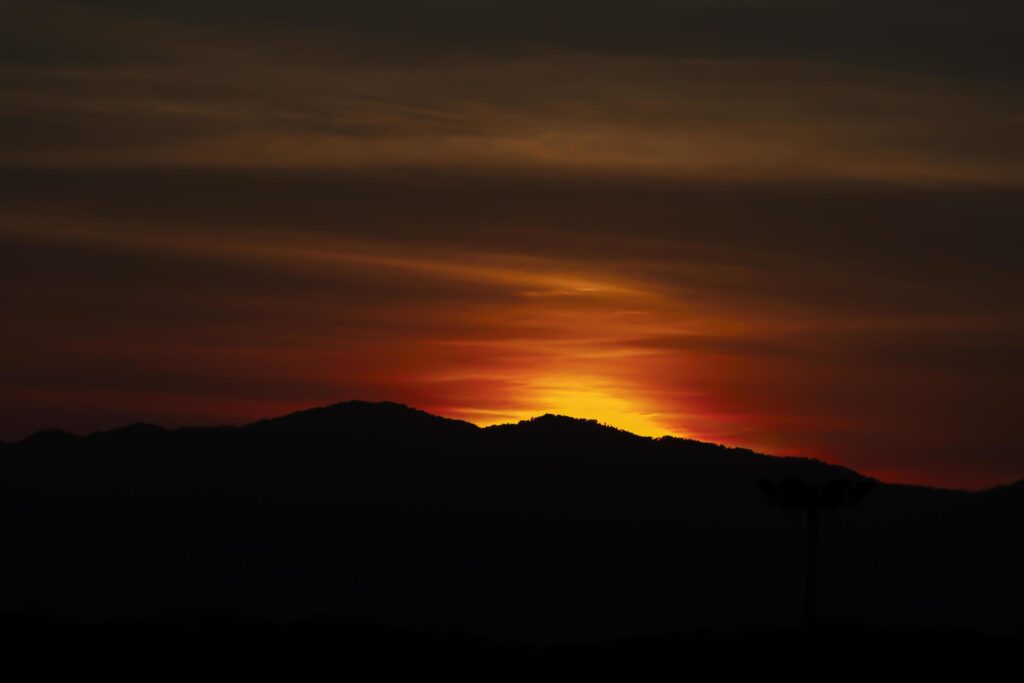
<point>552,528</point>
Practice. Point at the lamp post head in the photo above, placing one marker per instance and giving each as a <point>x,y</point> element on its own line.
<point>829,495</point>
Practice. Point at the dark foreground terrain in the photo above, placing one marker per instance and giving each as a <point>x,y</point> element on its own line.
<point>207,645</point>
<point>374,535</point>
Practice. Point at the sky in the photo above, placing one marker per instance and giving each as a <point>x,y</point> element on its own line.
<point>786,225</point>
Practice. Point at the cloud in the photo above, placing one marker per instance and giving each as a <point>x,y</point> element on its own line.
<point>905,35</point>
<point>191,85</point>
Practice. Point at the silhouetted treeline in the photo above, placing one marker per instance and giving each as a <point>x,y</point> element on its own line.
<point>552,530</point>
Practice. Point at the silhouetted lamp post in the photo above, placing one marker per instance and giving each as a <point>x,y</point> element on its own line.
<point>813,499</point>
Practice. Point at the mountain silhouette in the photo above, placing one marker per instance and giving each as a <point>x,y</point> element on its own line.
<point>549,530</point>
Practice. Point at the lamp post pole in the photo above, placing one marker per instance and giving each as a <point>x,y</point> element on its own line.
<point>813,499</point>
<point>812,551</point>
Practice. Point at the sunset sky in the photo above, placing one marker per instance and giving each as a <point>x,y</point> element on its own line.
<point>788,225</point>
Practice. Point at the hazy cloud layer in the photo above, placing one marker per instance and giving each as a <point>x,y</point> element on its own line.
<point>796,90</point>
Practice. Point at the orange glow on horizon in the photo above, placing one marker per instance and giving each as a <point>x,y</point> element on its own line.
<point>654,347</point>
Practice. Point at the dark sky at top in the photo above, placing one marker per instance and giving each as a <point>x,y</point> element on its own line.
<point>794,226</point>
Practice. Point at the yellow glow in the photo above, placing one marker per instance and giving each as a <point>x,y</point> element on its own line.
<point>589,398</point>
